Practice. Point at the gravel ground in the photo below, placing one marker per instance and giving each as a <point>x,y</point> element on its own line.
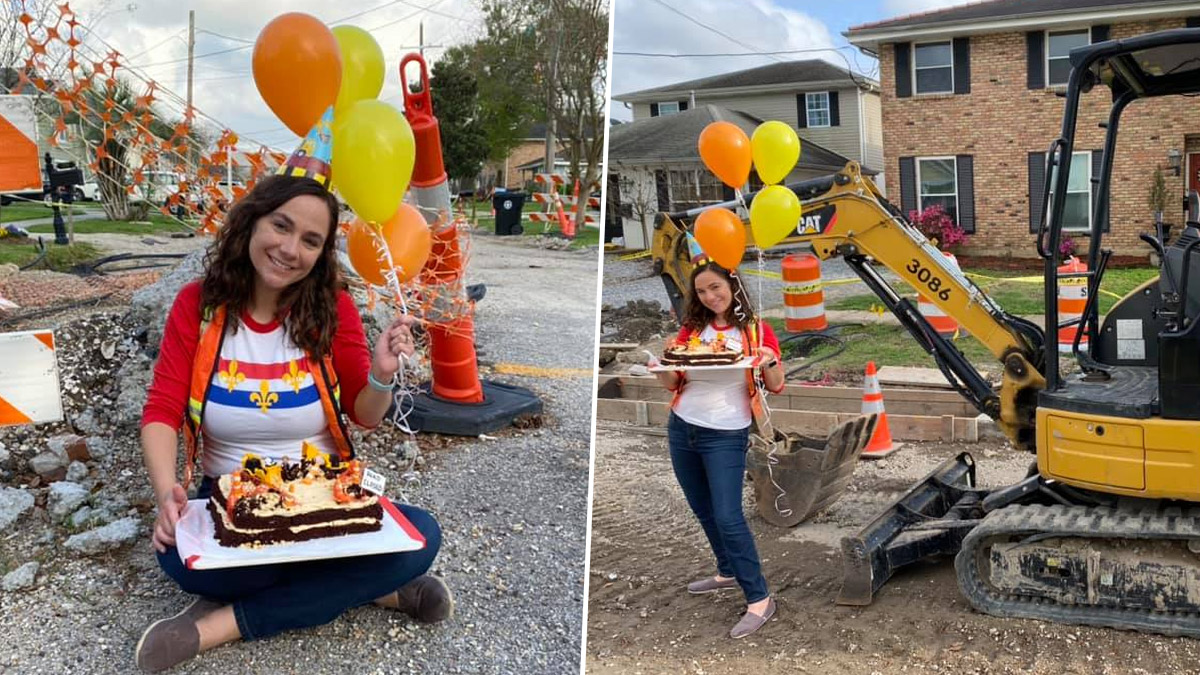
<point>513,508</point>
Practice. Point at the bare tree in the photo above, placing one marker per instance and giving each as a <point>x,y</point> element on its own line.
<point>575,50</point>
<point>640,195</point>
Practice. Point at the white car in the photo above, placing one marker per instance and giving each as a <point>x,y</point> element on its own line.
<point>88,192</point>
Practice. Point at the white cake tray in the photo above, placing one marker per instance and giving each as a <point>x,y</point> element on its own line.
<point>196,542</point>
<point>746,362</point>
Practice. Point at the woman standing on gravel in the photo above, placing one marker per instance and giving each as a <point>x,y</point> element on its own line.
<point>271,298</point>
<point>709,427</point>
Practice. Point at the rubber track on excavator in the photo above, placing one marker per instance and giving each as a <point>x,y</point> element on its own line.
<point>1093,523</point>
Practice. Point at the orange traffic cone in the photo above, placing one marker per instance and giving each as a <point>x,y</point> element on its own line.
<point>881,444</point>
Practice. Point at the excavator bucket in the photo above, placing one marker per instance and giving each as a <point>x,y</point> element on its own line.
<point>796,477</point>
<point>931,519</point>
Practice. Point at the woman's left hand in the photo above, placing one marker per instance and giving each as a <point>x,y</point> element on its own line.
<point>397,339</point>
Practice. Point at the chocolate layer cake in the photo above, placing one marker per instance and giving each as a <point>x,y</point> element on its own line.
<point>704,354</point>
<point>269,504</point>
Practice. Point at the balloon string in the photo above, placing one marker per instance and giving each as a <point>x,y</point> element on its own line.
<point>389,268</point>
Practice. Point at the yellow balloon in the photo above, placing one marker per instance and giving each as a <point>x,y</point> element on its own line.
<point>774,214</point>
<point>373,156</point>
<point>776,149</point>
<point>362,66</point>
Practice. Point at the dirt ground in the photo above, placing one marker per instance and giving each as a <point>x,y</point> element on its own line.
<point>646,546</point>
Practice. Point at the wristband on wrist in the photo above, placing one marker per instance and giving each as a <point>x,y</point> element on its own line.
<point>377,385</point>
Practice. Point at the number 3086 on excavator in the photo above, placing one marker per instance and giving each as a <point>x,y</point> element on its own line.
<point>1106,530</point>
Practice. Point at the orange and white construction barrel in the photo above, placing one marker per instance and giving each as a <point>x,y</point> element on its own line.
<point>1072,296</point>
<point>803,294</point>
<point>29,383</point>
<point>945,325</point>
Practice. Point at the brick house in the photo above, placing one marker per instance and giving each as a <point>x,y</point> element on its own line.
<point>826,104</point>
<point>970,106</point>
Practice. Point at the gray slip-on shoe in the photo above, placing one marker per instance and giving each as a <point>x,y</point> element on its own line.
<point>751,622</point>
<point>710,585</point>
<point>167,643</point>
<point>427,599</point>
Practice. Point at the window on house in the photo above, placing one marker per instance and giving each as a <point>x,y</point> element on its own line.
<point>1077,209</point>
<point>668,108</point>
<point>692,188</point>
<point>937,184</point>
<point>817,107</point>
<point>933,68</point>
<point>1058,48</point>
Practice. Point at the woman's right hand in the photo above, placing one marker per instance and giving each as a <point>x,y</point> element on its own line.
<point>170,510</point>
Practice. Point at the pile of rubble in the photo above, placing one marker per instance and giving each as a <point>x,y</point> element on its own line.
<point>637,321</point>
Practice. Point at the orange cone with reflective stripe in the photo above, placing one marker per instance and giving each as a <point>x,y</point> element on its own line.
<point>881,444</point>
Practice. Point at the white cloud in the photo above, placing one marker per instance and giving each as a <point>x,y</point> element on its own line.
<point>645,26</point>
<point>897,8</point>
<point>153,38</point>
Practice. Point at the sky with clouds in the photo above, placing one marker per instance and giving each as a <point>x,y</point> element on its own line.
<point>737,26</point>
<point>152,35</point>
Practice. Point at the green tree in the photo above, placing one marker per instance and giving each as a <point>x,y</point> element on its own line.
<point>455,94</point>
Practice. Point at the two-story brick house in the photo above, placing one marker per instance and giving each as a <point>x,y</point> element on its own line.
<point>970,105</point>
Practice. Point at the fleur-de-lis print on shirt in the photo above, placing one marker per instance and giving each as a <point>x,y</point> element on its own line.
<point>264,398</point>
<point>294,377</point>
<point>231,377</point>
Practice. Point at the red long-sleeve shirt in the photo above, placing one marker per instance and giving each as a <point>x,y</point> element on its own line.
<point>168,395</point>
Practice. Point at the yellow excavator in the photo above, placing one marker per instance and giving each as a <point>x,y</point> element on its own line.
<point>1106,530</point>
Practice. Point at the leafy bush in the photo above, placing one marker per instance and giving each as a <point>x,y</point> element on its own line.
<point>938,227</point>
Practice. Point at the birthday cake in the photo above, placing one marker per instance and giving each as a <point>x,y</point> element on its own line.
<point>270,503</point>
<point>697,353</point>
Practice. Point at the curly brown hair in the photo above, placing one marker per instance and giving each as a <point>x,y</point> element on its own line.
<point>741,312</point>
<point>308,307</point>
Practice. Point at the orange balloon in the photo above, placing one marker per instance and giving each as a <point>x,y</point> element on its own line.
<point>726,151</point>
<point>722,236</point>
<point>408,240</point>
<point>298,69</point>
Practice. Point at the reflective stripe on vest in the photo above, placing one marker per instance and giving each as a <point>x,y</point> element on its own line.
<point>208,352</point>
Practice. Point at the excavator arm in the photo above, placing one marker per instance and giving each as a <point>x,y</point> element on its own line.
<point>846,215</point>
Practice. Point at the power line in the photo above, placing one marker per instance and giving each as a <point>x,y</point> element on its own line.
<point>198,56</point>
<point>770,53</point>
<point>710,28</point>
<point>227,37</point>
<point>365,11</point>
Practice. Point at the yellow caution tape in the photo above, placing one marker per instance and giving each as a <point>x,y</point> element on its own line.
<point>635,256</point>
<point>1078,281</point>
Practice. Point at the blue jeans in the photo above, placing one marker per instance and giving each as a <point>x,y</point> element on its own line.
<point>268,599</point>
<point>710,465</point>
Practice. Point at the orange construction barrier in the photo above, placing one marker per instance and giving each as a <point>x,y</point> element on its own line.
<point>1072,296</point>
<point>803,297</point>
<point>881,444</point>
<point>451,333</point>
<point>944,325</point>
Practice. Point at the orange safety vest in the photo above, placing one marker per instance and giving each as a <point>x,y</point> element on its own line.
<point>749,348</point>
<point>208,352</point>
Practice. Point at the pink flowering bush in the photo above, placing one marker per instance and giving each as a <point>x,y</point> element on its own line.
<point>1066,247</point>
<point>938,227</point>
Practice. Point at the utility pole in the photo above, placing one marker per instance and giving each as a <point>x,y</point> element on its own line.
<point>421,39</point>
<point>551,108</point>
<point>191,59</point>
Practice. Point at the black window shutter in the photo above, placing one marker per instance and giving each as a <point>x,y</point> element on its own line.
<point>1193,22</point>
<point>966,192</point>
<point>903,70</point>
<point>662,190</point>
<point>833,109</point>
<point>683,105</point>
<point>654,110</point>
<point>1037,183</point>
<point>1097,158</point>
<point>727,193</point>
<point>801,112</point>
<point>1035,67</point>
<point>962,65</point>
<point>908,185</point>
<point>1099,33</point>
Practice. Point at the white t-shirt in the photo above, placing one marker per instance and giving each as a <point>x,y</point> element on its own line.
<point>716,399</point>
<point>262,400</point>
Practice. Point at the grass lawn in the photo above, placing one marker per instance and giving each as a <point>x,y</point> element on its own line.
<point>884,344</point>
<point>28,211</point>
<point>1019,297</point>
<point>159,224</point>
<point>61,258</point>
